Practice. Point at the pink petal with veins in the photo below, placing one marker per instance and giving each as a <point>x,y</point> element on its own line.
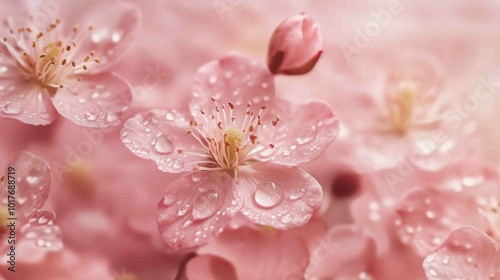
<point>96,101</point>
<point>466,254</point>
<point>278,196</point>
<point>196,208</point>
<point>160,135</point>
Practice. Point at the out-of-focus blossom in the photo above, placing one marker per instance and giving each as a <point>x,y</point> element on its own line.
<point>24,190</point>
<point>243,160</point>
<point>247,251</point>
<point>60,67</point>
<point>466,254</point>
<point>295,46</point>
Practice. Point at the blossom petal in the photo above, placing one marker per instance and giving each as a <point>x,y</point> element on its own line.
<point>279,196</point>
<point>301,135</point>
<point>40,235</point>
<point>348,250</point>
<point>257,254</point>
<point>466,254</point>
<point>196,208</point>
<point>234,78</point>
<point>209,267</point>
<point>427,216</point>
<point>111,33</point>
<point>160,135</point>
<point>96,101</point>
<point>23,100</point>
<point>33,178</point>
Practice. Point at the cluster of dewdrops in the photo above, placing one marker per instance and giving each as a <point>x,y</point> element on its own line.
<point>226,141</point>
<point>41,55</point>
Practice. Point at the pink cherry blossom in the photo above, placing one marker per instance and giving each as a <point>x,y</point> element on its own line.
<point>241,145</point>
<point>466,254</point>
<point>36,232</point>
<point>60,67</point>
<point>295,46</point>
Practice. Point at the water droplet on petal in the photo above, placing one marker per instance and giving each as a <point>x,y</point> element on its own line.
<point>183,210</point>
<point>169,198</point>
<point>12,109</point>
<point>286,219</point>
<point>91,116</point>
<point>164,145</point>
<point>213,79</point>
<point>297,193</point>
<point>33,176</point>
<point>206,204</point>
<point>112,117</point>
<point>268,194</point>
<point>308,136</point>
<point>196,177</point>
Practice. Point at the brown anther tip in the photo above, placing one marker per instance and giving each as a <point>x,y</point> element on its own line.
<point>75,29</point>
<point>34,44</point>
<point>40,35</point>
<point>68,48</point>
<point>73,63</point>
<point>43,55</point>
<point>29,30</point>
<point>233,119</point>
<point>249,104</point>
<point>63,62</point>
<point>74,44</point>
<point>86,59</point>
<point>189,132</point>
<point>4,39</point>
<point>271,145</point>
<point>61,86</point>
<point>202,112</point>
<point>92,53</point>
<point>219,124</point>
<point>79,79</point>
<point>212,98</point>
<point>180,151</point>
<point>251,128</point>
<point>25,54</point>
<point>85,67</point>
<point>217,109</point>
<point>39,73</point>
<point>97,60</point>
<point>231,105</point>
<point>263,107</point>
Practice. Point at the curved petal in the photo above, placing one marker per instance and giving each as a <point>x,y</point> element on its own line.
<point>32,186</point>
<point>261,254</point>
<point>278,196</point>
<point>25,101</point>
<point>96,101</point>
<point>160,135</point>
<point>466,254</point>
<point>209,267</point>
<point>112,32</point>
<point>345,252</point>
<point>41,234</point>
<point>234,78</point>
<point>301,135</point>
<point>196,208</point>
<point>427,216</point>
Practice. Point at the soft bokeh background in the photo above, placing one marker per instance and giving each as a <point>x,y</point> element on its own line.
<point>105,198</point>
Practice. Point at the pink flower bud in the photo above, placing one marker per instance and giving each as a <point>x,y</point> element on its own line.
<point>295,46</point>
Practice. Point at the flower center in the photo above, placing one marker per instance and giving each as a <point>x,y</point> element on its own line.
<point>48,57</point>
<point>227,141</point>
<point>401,104</point>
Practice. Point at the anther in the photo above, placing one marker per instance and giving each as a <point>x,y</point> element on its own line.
<point>263,107</point>
<point>68,48</point>
<point>63,62</point>
<point>61,86</point>
<point>212,98</point>
<point>231,105</point>
<point>73,63</point>
<point>202,112</point>
<point>34,44</point>
<point>40,35</point>
<point>219,124</point>
<point>84,67</point>
<point>43,55</point>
